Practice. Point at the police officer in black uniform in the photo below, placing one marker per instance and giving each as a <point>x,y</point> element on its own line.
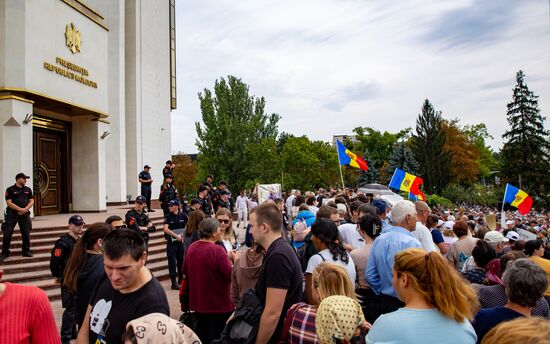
<point>223,200</point>
<point>168,167</point>
<point>168,192</point>
<point>138,220</point>
<point>60,254</point>
<point>146,181</point>
<point>202,196</point>
<point>174,233</point>
<point>20,200</point>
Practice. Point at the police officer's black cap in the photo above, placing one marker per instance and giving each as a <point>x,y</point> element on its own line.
<point>195,201</point>
<point>21,175</point>
<point>146,166</point>
<point>168,175</point>
<point>76,220</point>
<point>140,199</point>
<point>224,192</point>
<point>174,202</point>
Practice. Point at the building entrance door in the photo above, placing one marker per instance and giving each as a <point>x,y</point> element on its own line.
<point>50,169</point>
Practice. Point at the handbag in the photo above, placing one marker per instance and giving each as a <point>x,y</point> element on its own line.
<point>189,319</point>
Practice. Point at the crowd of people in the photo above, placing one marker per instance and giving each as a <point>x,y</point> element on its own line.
<point>332,266</point>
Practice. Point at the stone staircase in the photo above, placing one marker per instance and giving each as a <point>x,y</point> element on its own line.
<point>36,270</point>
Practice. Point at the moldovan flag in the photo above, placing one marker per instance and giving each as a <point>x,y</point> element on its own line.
<point>404,181</point>
<point>348,158</point>
<point>518,199</point>
<point>414,198</point>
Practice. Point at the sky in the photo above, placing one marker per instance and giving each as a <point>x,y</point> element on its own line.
<point>329,66</point>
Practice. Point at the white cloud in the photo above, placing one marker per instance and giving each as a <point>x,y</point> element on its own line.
<point>328,66</point>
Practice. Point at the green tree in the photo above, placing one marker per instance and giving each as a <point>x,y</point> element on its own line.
<point>478,134</point>
<point>264,166</point>
<point>369,176</point>
<point>526,147</point>
<point>308,165</point>
<point>428,148</point>
<point>232,119</point>
<point>402,157</point>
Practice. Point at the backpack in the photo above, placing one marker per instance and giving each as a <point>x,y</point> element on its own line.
<point>305,252</point>
<point>59,255</point>
<point>243,327</point>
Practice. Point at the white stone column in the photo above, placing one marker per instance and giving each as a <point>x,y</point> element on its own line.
<point>115,153</point>
<point>88,165</point>
<point>134,96</point>
<point>16,142</point>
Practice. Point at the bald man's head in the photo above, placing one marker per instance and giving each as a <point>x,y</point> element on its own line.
<point>422,211</point>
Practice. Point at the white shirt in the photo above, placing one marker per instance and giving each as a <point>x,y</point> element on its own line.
<point>350,235</point>
<point>289,203</point>
<point>317,259</point>
<point>242,202</point>
<point>423,234</point>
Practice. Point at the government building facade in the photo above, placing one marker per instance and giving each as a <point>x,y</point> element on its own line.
<point>86,94</point>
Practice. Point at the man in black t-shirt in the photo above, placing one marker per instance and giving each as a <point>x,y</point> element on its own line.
<point>130,291</point>
<point>20,200</point>
<point>146,181</point>
<point>280,280</point>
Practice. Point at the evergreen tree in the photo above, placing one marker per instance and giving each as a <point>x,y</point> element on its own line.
<point>427,145</point>
<point>525,153</point>
<point>369,176</point>
<point>402,157</point>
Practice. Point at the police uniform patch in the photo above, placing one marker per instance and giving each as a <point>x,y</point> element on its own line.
<point>57,252</point>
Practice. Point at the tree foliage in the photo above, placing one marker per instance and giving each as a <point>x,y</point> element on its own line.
<point>487,162</point>
<point>232,120</point>
<point>186,173</point>
<point>402,157</point>
<point>525,155</point>
<point>308,165</point>
<point>463,152</point>
<point>428,148</point>
<point>369,176</point>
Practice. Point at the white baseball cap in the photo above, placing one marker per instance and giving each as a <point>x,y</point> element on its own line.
<point>514,236</point>
<point>494,237</point>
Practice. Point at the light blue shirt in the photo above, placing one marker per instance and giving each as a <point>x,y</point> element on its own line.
<point>419,326</point>
<point>380,264</point>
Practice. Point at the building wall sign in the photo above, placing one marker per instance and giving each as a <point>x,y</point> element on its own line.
<point>65,68</point>
<point>72,38</point>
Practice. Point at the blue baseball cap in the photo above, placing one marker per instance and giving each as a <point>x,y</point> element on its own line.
<point>173,203</point>
<point>380,205</point>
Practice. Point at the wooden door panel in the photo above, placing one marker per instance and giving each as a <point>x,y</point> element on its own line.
<point>47,170</point>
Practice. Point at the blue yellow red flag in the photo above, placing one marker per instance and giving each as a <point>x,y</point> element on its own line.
<point>518,199</point>
<point>405,181</point>
<point>346,157</point>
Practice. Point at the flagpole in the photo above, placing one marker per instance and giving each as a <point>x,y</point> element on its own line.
<point>339,165</point>
<point>502,213</point>
<point>341,176</point>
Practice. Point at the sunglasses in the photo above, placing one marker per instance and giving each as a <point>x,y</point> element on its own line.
<point>122,226</point>
<point>224,221</point>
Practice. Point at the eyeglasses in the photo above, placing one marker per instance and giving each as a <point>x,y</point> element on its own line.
<point>121,226</point>
<point>224,221</point>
